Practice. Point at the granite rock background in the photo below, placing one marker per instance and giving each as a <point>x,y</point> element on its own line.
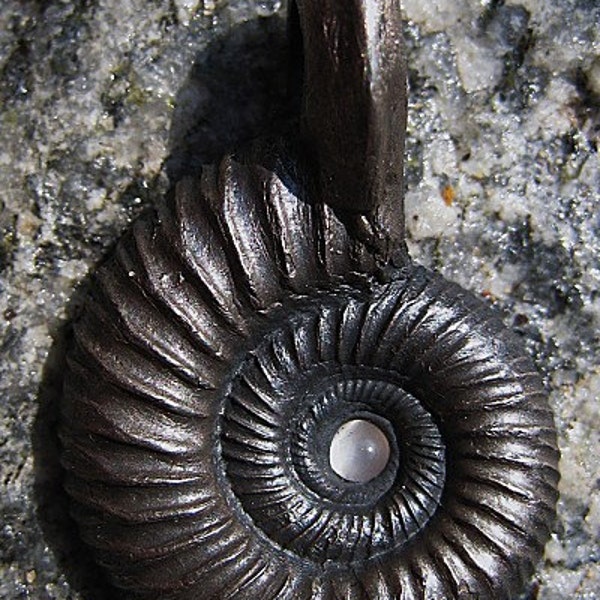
<point>105,103</point>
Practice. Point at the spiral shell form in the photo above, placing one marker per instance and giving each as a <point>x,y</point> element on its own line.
<point>224,342</point>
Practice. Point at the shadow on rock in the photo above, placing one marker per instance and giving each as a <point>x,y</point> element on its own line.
<point>235,91</point>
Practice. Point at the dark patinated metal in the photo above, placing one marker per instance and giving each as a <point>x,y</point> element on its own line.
<point>354,112</point>
<point>264,304</point>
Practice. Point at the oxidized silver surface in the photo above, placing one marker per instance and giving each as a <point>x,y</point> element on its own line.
<point>265,303</point>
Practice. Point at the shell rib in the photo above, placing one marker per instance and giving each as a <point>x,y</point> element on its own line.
<point>224,341</point>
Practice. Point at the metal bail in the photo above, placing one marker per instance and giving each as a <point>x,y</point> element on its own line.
<point>354,113</point>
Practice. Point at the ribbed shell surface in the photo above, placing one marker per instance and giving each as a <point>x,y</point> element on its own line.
<point>223,340</point>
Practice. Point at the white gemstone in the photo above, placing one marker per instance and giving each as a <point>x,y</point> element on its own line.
<point>359,451</point>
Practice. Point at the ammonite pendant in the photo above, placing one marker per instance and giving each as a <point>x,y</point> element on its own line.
<point>265,397</point>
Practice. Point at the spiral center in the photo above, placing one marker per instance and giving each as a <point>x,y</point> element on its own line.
<point>359,451</point>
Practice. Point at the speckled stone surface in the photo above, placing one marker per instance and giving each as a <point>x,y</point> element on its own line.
<point>104,103</point>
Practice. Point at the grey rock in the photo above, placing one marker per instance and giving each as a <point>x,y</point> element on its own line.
<point>105,103</point>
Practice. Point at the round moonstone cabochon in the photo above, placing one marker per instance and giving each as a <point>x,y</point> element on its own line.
<point>359,451</point>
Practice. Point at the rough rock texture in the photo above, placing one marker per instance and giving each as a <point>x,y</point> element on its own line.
<point>103,103</point>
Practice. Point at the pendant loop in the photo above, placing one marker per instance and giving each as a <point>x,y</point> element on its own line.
<point>354,112</point>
